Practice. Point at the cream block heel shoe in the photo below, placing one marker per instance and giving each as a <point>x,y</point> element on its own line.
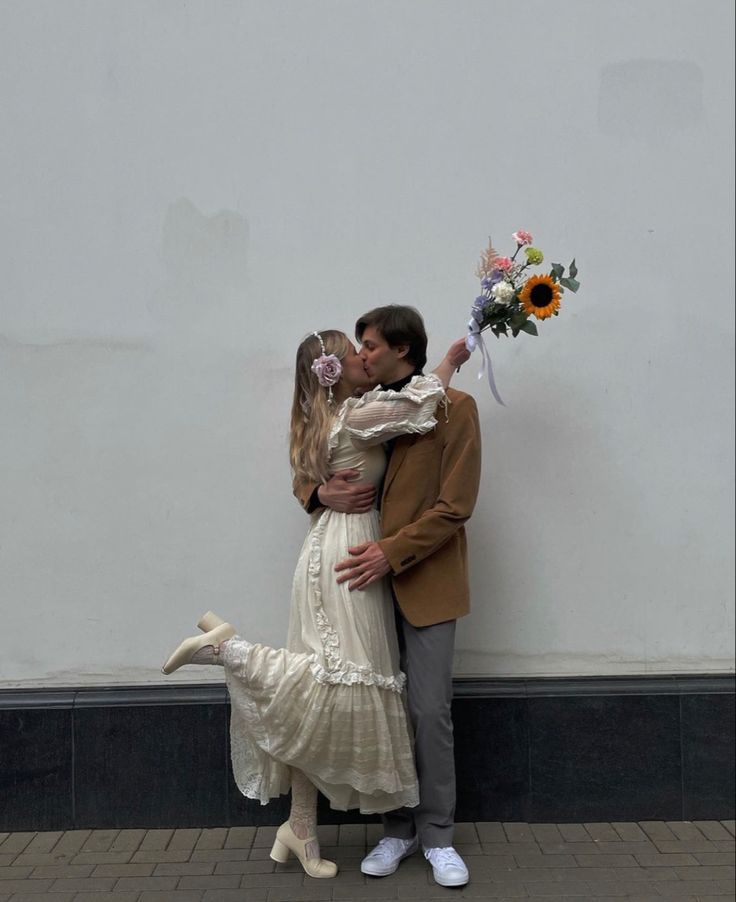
<point>288,843</point>
<point>189,647</point>
<point>209,621</point>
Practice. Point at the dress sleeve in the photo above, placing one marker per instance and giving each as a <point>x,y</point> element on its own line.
<point>383,414</point>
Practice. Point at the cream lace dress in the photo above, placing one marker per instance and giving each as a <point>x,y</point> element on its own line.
<point>331,703</point>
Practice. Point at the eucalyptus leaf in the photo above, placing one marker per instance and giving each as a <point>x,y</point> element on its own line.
<point>572,284</point>
<point>573,270</point>
<point>529,327</point>
<point>557,271</point>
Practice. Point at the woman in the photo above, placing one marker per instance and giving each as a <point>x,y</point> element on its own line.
<point>327,712</point>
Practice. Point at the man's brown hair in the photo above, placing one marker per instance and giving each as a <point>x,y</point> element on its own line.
<point>399,325</point>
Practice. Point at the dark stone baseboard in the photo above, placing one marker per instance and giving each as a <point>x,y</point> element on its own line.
<point>535,750</point>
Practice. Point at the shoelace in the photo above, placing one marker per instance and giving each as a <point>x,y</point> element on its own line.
<point>442,857</point>
<point>386,847</point>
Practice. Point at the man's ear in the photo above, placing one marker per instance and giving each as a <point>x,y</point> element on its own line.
<point>401,350</point>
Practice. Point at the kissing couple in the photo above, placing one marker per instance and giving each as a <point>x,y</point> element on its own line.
<point>386,462</point>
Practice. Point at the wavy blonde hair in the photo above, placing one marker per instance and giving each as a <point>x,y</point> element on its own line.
<point>311,413</point>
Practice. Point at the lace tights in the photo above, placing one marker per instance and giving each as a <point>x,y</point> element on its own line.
<point>303,814</point>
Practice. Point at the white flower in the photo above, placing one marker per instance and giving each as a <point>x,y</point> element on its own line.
<point>503,292</point>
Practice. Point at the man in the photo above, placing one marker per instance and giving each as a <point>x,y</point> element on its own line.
<point>429,491</point>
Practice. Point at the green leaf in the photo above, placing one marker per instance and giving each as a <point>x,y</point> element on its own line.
<point>572,284</point>
<point>573,270</point>
<point>529,327</point>
<point>557,271</point>
<point>499,329</point>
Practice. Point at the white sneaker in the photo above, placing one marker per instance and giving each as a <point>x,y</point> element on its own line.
<point>388,855</point>
<point>447,866</point>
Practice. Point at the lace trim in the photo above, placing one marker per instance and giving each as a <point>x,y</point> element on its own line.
<point>419,389</point>
<point>337,670</point>
<point>351,674</point>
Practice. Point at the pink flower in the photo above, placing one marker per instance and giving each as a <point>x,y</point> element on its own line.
<point>503,264</point>
<point>521,237</point>
<point>327,368</point>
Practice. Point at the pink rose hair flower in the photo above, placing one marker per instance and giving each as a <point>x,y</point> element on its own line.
<point>327,369</point>
<point>521,237</point>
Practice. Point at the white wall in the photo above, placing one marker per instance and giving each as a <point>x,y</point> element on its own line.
<point>187,188</point>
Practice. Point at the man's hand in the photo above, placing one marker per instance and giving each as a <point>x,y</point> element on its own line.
<point>366,564</point>
<point>342,493</point>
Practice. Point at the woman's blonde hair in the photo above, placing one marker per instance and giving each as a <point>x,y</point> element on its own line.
<point>311,412</point>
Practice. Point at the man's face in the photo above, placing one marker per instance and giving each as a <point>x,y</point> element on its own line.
<point>382,363</point>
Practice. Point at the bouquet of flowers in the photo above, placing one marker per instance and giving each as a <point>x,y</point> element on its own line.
<point>510,295</point>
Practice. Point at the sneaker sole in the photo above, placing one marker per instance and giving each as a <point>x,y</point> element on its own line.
<point>458,881</point>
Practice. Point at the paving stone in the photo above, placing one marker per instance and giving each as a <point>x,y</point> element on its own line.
<point>518,832</point>
<point>311,893</point>
<point>657,830</point>
<point>37,859</point>
<point>713,830</point>
<point>15,873</point>
<point>250,881</point>
<point>16,843</point>
<point>45,842</point>
<point>716,872</point>
<point>573,833</point>
<point>127,841</point>
<point>613,861</point>
<point>244,867</point>
<point>624,848</point>
<point>715,858</point>
<point>375,890</point>
<point>571,848</point>
<point>25,885</point>
<point>41,897</point>
<point>569,890</point>
<point>107,897</point>
<point>7,860</point>
<point>102,858</point>
<point>546,833</point>
<point>730,826</point>
<point>184,840</point>
<point>188,895</point>
<point>211,839</point>
<point>491,831</point>
<point>651,874</point>
<point>465,834</point>
<point>689,845</point>
<point>240,837</point>
<point>723,846</point>
<point>235,895</point>
<point>156,839</point>
<point>143,883</point>
<point>511,848</point>
<point>100,841</point>
<point>211,881</point>
<point>531,860</point>
<point>351,835</point>
<point>602,833</point>
<point>685,830</point>
<point>63,870</point>
<point>221,855</point>
<point>265,836</point>
<point>123,870</point>
<point>184,868</point>
<point>82,884</point>
<point>630,832</point>
<point>697,888</point>
<point>156,856</point>
<point>657,859</point>
<point>373,833</point>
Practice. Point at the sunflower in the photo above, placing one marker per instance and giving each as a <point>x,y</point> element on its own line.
<point>540,296</point>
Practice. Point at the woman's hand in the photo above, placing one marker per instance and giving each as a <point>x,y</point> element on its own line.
<point>456,356</point>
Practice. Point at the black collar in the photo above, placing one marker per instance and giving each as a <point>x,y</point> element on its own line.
<point>397,386</point>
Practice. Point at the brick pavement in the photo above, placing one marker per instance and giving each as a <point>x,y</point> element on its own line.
<point>645,862</point>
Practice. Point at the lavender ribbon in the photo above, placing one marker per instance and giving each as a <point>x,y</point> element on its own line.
<point>475,340</point>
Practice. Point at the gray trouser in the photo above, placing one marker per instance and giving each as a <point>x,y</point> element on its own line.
<point>426,659</point>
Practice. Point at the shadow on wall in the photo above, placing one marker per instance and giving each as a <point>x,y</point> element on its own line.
<point>204,294</point>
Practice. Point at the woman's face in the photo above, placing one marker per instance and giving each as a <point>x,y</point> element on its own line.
<point>353,372</point>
